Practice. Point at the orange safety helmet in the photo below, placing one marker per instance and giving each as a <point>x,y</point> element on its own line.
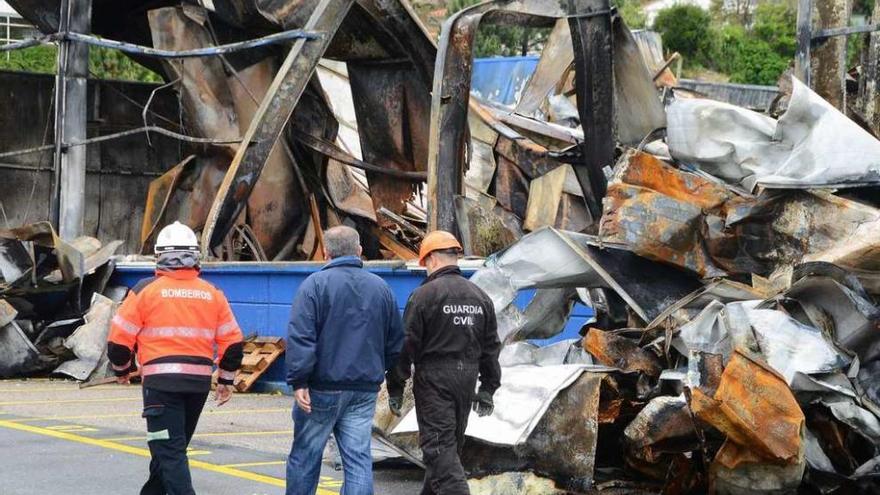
<point>435,241</point>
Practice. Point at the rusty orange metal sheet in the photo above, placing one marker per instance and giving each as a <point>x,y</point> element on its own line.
<point>159,196</point>
<point>757,411</point>
<point>662,213</point>
<point>620,352</point>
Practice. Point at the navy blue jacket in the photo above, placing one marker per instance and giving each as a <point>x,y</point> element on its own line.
<point>345,330</point>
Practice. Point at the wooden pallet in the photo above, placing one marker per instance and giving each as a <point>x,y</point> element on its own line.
<point>259,354</point>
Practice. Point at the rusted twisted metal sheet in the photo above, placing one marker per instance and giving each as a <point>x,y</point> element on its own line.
<point>451,92</point>
<point>160,195</point>
<point>663,213</point>
<point>620,352</point>
<point>392,108</point>
<point>270,119</point>
<point>757,412</point>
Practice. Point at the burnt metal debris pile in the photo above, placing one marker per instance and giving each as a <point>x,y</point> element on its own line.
<point>55,303</point>
<point>735,274</point>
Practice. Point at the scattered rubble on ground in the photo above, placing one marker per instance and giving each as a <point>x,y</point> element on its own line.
<point>55,303</point>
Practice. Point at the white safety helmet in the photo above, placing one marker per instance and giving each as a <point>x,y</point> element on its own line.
<point>176,237</point>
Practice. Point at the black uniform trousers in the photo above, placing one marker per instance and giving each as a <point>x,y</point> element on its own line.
<point>444,393</point>
<point>171,421</point>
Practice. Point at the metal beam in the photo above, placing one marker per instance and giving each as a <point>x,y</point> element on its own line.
<point>805,40</point>
<point>594,80</point>
<point>845,31</point>
<point>269,122</point>
<point>68,201</point>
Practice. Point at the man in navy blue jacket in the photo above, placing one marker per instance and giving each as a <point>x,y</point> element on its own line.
<point>345,332</point>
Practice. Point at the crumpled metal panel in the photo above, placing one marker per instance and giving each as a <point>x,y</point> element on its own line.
<point>664,425</point>
<point>845,314</point>
<point>858,418</point>
<point>89,341</point>
<point>162,196</point>
<point>524,397</point>
<point>15,260</point>
<point>703,226</point>
<point>68,260</point>
<point>549,258</point>
<point>791,347</point>
<point>639,109</point>
<point>17,355</point>
<point>222,105</point>
<point>556,57</point>
<point>207,102</point>
<point>545,316</point>
<point>566,351</point>
<point>664,213</point>
<point>393,113</point>
<point>270,120</point>
<point>812,145</point>
<point>620,352</point>
<point>723,291</point>
<point>718,329</point>
<point>757,412</point>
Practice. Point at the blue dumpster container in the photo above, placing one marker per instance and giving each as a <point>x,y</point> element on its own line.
<point>261,293</point>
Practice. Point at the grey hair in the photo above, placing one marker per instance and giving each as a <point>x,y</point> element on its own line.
<point>342,241</point>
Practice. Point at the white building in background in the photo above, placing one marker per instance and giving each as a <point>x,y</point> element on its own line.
<point>12,26</point>
<point>653,8</point>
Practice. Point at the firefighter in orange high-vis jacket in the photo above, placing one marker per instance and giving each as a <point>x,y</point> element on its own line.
<point>174,323</point>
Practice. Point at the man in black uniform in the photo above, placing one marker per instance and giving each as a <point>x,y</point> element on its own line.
<point>451,337</point>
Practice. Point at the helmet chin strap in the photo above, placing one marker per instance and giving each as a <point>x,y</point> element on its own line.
<point>177,260</point>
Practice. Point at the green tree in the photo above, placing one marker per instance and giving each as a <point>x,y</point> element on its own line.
<point>776,25</point>
<point>40,59</point>
<point>863,7</point>
<point>686,29</point>
<point>104,63</point>
<point>502,41</point>
<point>632,13</point>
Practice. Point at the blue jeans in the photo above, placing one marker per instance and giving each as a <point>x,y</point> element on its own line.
<point>349,416</point>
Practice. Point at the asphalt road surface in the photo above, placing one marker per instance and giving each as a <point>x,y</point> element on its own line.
<point>56,439</point>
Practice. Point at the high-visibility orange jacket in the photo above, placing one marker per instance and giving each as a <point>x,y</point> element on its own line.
<point>176,321</point>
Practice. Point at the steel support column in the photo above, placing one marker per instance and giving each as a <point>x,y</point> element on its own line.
<point>68,199</point>
<point>805,41</point>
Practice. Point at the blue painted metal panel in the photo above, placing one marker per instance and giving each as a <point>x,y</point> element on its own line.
<point>261,293</point>
<point>500,80</point>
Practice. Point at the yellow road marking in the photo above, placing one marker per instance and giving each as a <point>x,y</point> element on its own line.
<point>142,452</point>
<point>66,401</point>
<point>73,388</point>
<point>129,415</point>
<point>79,428</point>
<point>256,464</point>
<point>216,434</point>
